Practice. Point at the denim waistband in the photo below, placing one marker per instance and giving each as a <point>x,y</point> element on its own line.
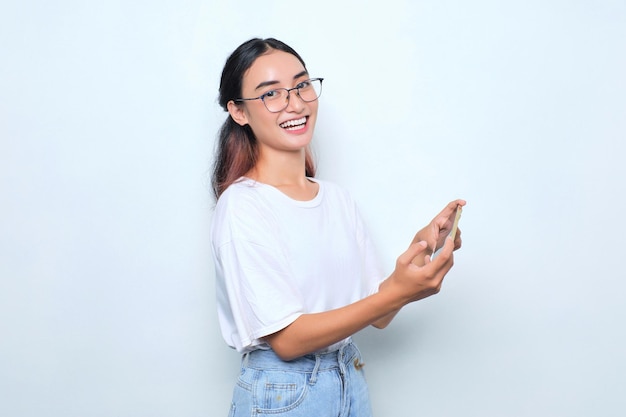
<point>268,359</point>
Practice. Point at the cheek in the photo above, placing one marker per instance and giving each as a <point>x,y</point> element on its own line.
<point>313,115</point>
<point>262,123</point>
<point>258,118</point>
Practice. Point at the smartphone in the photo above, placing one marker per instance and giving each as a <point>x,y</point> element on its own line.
<point>455,226</point>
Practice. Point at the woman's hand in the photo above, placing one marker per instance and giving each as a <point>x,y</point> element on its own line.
<point>435,233</point>
<point>414,282</point>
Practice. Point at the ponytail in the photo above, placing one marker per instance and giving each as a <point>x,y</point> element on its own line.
<point>236,155</point>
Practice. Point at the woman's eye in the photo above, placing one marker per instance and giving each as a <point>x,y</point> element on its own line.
<point>271,94</point>
<point>304,84</point>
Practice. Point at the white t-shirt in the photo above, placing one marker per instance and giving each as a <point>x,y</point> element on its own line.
<point>277,258</point>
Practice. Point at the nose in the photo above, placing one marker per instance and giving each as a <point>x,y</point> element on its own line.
<point>295,103</point>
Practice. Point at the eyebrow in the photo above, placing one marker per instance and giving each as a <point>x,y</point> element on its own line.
<point>266,83</point>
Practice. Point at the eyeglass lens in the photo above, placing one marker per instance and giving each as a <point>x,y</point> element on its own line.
<point>277,100</point>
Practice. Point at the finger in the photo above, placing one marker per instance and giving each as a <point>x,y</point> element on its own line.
<point>452,205</point>
<point>449,211</point>
<point>457,202</point>
<point>413,250</point>
<point>445,253</point>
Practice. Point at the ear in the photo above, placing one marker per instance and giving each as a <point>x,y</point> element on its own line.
<point>237,113</point>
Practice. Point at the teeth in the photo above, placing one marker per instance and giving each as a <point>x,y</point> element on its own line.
<point>291,123</point>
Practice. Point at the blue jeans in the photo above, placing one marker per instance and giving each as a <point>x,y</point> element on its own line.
<point>317,385</point>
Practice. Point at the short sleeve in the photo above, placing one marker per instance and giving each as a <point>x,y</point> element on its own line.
<point>373,272</point>
<point>255,289</point>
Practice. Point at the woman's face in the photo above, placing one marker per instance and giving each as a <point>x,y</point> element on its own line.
<point>288,130</point>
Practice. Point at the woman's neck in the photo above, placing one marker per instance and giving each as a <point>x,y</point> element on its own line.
<point>286,173</point>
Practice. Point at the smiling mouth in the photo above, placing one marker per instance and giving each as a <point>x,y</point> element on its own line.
<point>294,124</point>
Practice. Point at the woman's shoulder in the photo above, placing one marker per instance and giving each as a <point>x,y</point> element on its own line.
<point>334,190</point>
<point>239,192</point>
<point>241,209</point>
<point>241,198</point>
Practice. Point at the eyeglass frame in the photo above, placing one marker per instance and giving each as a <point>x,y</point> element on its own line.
<point>289,90</point>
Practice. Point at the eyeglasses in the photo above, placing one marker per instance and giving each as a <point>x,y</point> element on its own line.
<point>277,100</point>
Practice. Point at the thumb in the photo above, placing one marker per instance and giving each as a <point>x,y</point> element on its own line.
<point>413,250</point>
<point>446,250</point>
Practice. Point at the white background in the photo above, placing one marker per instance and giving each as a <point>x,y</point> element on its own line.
<point>108,118</point>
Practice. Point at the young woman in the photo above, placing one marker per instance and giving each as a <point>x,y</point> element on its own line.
<point>296,271</point>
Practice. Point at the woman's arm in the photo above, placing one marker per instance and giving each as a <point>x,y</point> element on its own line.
<point>408,282</point>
